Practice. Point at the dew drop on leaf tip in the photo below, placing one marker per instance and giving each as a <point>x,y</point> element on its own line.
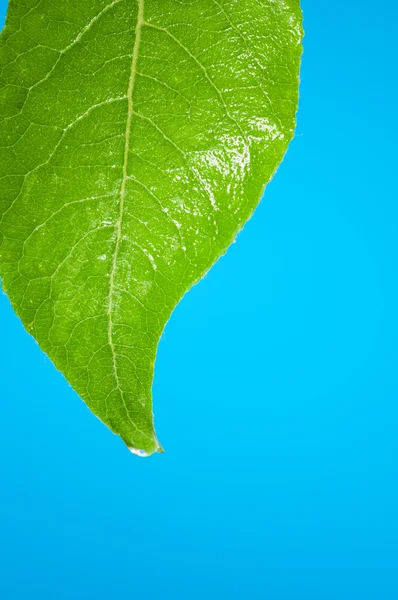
<point>143,453</point>
<point>139,452</point>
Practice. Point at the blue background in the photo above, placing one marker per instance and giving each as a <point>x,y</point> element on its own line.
<point>275,394</point>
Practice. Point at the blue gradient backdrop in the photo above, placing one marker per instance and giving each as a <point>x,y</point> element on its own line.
<point>276,391</point>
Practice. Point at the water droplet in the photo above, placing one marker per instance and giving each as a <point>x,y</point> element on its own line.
<point>139,452</point>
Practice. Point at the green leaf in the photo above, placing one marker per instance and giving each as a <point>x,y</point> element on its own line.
<point>136,139</point>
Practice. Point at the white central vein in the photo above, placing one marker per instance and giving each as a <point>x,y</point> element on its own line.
<point>118,225</point>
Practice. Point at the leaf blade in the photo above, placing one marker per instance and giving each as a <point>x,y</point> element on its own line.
<point>133,153</point>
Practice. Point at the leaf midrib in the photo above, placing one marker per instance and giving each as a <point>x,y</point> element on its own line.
<point>119,222</point>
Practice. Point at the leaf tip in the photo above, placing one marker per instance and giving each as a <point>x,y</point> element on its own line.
<point>145,453</point>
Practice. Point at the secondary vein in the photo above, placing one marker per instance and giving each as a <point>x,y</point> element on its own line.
<point>118,225</point>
